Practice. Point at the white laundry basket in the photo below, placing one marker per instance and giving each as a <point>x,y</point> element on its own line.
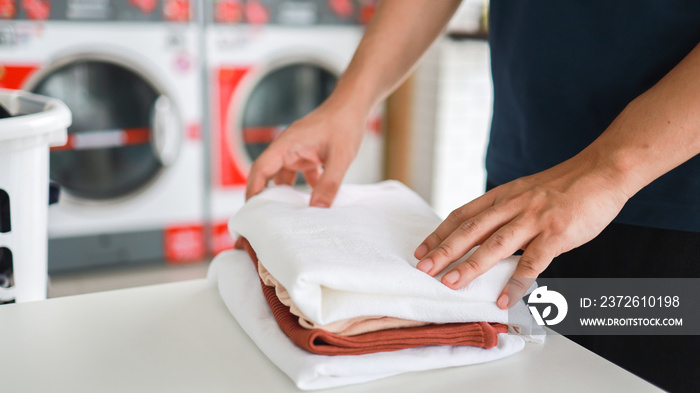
<point>37,122</point>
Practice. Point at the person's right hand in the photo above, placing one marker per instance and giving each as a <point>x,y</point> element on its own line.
<point>320,145</point>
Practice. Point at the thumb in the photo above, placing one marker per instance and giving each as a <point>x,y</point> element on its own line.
<point>329,182</point>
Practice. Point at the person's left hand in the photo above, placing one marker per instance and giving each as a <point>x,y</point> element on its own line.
<point>545,215</point>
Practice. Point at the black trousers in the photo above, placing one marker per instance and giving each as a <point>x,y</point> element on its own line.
<point>621,251</point>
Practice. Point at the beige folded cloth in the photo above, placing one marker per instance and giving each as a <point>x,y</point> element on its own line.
<point>347,327</point>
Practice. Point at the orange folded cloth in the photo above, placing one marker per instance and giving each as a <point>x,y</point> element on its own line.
<point>478,334</point>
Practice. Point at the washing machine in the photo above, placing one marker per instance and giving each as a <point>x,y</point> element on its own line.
<point>270,63</point>
<point>131,174</point>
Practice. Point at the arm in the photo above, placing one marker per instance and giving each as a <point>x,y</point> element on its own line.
<point>329,137</point>
<point>400,32</point>
<point>556,210</point>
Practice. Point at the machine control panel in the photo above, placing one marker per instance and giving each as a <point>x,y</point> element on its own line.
<point>290,12</point>
<point>175,11</point>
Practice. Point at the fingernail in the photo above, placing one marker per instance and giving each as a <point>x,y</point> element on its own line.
<point>451,277</point>
<point>425,265</point>
<point>421,251</point>
<point>502,301</point>
<point>319,204</point>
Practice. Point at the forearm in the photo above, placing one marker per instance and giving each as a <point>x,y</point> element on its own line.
<point>656,132</point>
<point>400,32</point>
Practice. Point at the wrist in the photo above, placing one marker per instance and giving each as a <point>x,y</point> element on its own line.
<point>629,152</point>
<point>354,93</point>
<point>340,117</point>
<point>616,166</point>
<point>344,105</point>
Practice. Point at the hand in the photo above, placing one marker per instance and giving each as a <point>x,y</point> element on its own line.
<point>545,215</point>
<point>321,146</point>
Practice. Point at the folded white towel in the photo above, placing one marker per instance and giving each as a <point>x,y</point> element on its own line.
<point>240,289</point>
<point>356,258</point>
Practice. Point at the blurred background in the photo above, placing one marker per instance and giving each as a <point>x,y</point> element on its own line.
<point>172,101</point>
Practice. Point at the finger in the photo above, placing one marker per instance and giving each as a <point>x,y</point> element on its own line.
<point>514,290</point>
<point>452,222</point>
<point>263,169</point>
<point>534,260</point>
<point>311,175</point>
<point>285,176</point>
<point>500,245</point>
<point>465,237</point>
<point>329,181</point>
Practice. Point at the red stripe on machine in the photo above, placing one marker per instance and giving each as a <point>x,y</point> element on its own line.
<point>259,135</point>
<point>106,139</point>
<point>228,170</point>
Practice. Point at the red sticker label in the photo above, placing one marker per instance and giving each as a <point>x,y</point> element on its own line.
<point>145,6</point>
<point>8,9</point>
<point>229,11</point>
<point>221,238</point>
<point>37,9</point>
<point>367,12</point>
<point>256,13</point>
<point>184,244</point>
<point>341,8</point>
<point>176,10</point>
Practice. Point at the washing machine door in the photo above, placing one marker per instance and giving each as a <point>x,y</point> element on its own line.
<point>118,141</point>
<point>278,98</point>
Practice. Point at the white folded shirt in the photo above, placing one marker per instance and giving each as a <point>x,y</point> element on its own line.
<point>240,289</point>
<point>356,258</point>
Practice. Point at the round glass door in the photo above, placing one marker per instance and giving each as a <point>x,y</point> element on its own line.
<point>109,152</point>
<point>278,99</point>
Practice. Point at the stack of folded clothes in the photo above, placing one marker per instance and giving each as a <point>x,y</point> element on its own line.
<point>341,299</point>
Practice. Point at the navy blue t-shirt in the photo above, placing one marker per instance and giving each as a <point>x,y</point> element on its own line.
<point>563,70</point>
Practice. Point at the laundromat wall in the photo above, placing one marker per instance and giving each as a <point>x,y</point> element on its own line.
<point>172,100</point>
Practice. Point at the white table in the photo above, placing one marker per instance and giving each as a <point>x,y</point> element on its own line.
<point>180,337</point>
